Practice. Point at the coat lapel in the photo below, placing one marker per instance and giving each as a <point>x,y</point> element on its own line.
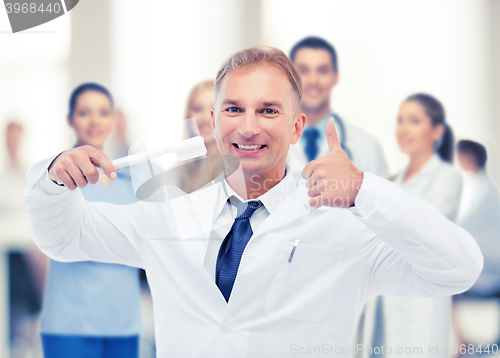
<point>193,215</point>
<point>292,208</point>
<point>194,212</point>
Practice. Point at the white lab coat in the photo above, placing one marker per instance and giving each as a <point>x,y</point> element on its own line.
<point>276,308</point>
<point>420,322</point>
<point>480,215</point>
<point>438,183</point>
<point>366,153</point>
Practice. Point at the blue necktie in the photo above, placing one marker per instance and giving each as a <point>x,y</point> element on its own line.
<point>231,249</point>
<point>311,136</point>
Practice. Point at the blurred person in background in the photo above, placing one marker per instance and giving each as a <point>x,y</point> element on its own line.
<point>480,215</point>
<point>423,134</point>
<point>13,173</point>
<point>26,264</point>
<point>92,309</point>
<point>316,60</point>
<point>200,172</point>
<point>14,133</point>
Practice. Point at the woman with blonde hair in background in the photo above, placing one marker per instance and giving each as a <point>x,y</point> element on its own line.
<point>200,172</point>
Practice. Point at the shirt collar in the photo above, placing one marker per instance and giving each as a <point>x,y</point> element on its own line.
<point>272,199</point>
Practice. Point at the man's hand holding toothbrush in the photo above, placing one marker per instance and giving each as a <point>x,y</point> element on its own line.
<point>75,168</point>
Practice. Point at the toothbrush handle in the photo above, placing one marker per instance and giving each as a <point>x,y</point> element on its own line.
<point>143,156</point>
<point>126,161</point>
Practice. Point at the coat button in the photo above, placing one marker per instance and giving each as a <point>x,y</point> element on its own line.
<point>225,328</point>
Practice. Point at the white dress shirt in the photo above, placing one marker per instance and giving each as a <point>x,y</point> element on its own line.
<point>278,307</point>
<point>225,214</point>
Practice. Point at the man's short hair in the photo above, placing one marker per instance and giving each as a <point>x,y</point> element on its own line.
<point>475,150</point>
<point>257,55</point>
<point>316,43</point>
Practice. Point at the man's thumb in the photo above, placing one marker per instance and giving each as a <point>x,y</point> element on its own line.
<point>331,135</point>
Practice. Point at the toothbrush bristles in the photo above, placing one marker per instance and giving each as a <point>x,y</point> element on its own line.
<point>192,153</point>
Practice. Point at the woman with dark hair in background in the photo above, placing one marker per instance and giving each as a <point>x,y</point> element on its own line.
<point>423,134</point>
<point>93,309</point>
<point>423,324</point>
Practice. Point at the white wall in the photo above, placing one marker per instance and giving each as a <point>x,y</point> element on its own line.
<point>33,86</point>
<point>161,50</point>
<point>494,82</point>
<point>389,49</point>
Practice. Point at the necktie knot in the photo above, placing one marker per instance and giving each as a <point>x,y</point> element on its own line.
<point>245,210</point>
<point>311,136</point>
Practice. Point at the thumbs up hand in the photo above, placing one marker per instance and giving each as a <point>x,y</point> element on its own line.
<point>332,180</point>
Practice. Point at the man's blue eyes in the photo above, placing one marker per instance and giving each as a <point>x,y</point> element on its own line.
<point>265,111</point>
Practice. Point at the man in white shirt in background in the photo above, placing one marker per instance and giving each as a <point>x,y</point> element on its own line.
<point>262,263</point>
<point>317,62</point>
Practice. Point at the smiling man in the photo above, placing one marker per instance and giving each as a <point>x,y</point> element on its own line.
<point>266,262</point>
<point>255,119</point>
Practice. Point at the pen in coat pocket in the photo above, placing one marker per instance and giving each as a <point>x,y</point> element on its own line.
<point>293,250</point>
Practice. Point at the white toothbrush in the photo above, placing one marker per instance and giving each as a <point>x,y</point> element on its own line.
<point>187,149</point>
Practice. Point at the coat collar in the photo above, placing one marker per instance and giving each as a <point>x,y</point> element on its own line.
<point>286,202</point>
<point>271,199</point>
<point>432,164</point>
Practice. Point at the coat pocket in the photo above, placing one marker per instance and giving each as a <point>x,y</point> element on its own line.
<point>303,288</point>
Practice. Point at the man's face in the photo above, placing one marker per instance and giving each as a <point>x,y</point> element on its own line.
<point>319,77</point>
<point>467,163</point>
<point>255,120</point>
